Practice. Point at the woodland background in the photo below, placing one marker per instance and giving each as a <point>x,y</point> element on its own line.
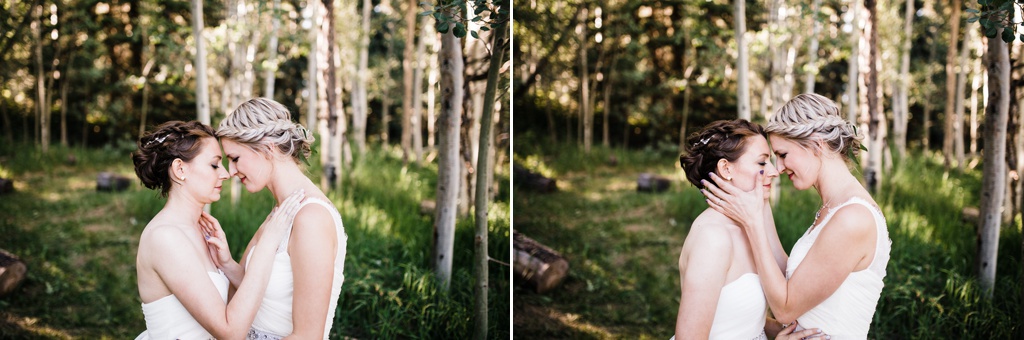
<point>605,90</point>
<point>406,101</point>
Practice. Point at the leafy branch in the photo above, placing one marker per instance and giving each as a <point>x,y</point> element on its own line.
<point>448,16</point>
<point>995,15</point>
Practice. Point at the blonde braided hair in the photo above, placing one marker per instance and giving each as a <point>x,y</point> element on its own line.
<point>808,118</point>
<point>261,124</point>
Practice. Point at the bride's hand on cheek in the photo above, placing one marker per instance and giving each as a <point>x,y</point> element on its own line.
<point>741,206</point>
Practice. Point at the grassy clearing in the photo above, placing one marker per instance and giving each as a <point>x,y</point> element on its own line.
<point>623,246</point>
<point>80,246</point>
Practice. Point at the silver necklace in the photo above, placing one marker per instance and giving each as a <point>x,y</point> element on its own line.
<point>818,214</point>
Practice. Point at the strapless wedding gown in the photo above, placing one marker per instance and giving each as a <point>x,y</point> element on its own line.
<point>167,318</point>
<point>741,310</point>
<point>848,312</point>
<point>274,318</point>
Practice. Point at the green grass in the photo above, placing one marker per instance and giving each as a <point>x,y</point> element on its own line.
<point>623,247</point>
<point>80,246</point>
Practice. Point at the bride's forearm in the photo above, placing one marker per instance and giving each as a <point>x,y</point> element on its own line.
<point>235,272</point>
<point>772,279</point>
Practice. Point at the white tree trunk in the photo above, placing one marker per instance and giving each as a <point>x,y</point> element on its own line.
<point>269,73</point>
<point>431,86</point>
<point>360,105</point>
<point>407,76</point>
<point>417,90</point>
<point>42,110</point>
<point>993,181</point>
<point>901,97</point>
<point>958,119</point>
<point>951,63</point>
<point>853,72</point>
<point>976,83</point>
<point>202,87</point>
<point>312,67</point>
<point>812,51</point>
<point>584,104</point>
<point>742,68</point>
<point>449,169</point>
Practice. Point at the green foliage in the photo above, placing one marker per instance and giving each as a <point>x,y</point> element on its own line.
<point>996,14</point>
<point>623,248</point>
<point>448,15</point>
<point>80,246</point>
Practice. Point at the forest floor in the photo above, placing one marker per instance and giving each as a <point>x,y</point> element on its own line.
<point>80,247</point>
<point>623,248</point>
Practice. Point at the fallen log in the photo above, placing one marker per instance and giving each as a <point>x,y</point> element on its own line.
<point>652,183</point>
<point>533,181</point>
<point>6,186</point>
<point>536,266</point>
<point>109,181</point>
<point>12,272</point>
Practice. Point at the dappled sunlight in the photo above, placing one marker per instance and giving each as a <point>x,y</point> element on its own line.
<point>29,327</point>
<point>535,163</point>
<point>619,184</point>
<point>912,224</point>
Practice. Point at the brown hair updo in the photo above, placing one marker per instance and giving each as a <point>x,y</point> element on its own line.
<point>262,124</point>
<point>161,146</point>
<point>723,139</point>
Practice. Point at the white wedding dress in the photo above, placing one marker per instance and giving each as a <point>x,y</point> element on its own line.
<point>167,318</point>
<point>741,310</point>
<point>274,318</point>
<point>847,313</point>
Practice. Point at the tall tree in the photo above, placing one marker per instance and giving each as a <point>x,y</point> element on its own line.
<point>202,89</point>
<point>951,63</point>
<point>360,102</point>
<point>480,241</point>
<point>958,116</point>
<point>742,68</point>
<point>812,50</point>
<point>269,76</point>
<point>329,115</point>
<point>853,71</point>
<point>312,65</point>
<point>901,94</point>
<point>407,78</point>
<point>993,182</point>
<point>876,122</point>
<point>42,109</point>
<point>586,117</point>
<point>448,167</point>
<point>417,90</point>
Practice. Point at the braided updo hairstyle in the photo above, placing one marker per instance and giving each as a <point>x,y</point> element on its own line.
<point>262,124</point>
<point>160,147</point>
<point>723,139</point>
<point>808,118</point>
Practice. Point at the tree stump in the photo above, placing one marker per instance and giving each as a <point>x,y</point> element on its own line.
<point>652,183</point>
<point>6,186</point>
<point>537,266</point>
<point>428,207</point>
<point>532,181</point>
<point>12,272</point>
<point>108,181</point>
